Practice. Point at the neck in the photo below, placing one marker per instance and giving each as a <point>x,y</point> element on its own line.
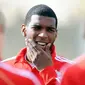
<point>28,60</point>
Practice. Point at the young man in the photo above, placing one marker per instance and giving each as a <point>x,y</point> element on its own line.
<point>10,75</point>
<point>39,55</point>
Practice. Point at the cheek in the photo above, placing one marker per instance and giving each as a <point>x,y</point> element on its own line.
<point>52,38</point>
<point>30,34</point>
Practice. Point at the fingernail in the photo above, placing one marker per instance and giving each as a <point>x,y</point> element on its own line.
<point>33,44</point>
<point>49,45</point>
<point>30,40</point>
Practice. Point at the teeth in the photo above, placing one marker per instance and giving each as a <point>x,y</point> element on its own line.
<point>40,43</point>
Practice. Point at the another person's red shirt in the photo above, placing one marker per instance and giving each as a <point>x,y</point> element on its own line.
<point>13,76</point>
<point>75,74</point>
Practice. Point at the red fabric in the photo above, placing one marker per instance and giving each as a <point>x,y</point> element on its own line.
<point>59,62</point>
<point>47,76</point>
<point>75,74</point>
<point>11,76</point>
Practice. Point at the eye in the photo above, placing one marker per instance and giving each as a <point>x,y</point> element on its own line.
<point>37,27</point>
<point>51,29</point>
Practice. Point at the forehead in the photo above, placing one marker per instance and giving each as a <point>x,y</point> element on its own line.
<point>43,20</point>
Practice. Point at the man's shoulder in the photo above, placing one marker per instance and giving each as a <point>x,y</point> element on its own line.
<point>10,60</point>
<point>60,62</point>
<point>62,59</point>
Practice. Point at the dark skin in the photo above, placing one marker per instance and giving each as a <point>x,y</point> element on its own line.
<point>41,58</point>
<point>40,35</point>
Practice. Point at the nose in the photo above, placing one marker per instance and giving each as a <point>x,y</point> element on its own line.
<point>43,34</point>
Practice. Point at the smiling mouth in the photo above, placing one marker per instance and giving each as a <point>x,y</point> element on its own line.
<point>41,43</point>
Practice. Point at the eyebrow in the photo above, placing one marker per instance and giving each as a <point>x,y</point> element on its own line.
<point>50,27</point>
<point>46,26</point>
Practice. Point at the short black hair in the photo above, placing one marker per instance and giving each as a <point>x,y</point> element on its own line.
<point>2,21</point>
<point>42,10</point>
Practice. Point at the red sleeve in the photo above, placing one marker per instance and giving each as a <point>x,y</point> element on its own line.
<point>14,76</point>
<point>8,78</point>
<point>49,76</point>
<point>72,76</point>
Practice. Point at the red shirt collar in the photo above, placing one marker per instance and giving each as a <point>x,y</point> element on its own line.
<point>21,55</point>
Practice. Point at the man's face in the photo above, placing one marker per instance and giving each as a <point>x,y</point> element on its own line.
<point>42,30</point>
<point>1,40</point>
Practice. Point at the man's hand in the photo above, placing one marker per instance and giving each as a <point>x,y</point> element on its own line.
<point>41,58</point>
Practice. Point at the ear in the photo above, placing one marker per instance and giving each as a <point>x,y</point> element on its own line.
<point>23,30</point>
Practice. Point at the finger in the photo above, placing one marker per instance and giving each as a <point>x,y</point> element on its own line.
<point>29,55</point>
<point>33,48</point>
<point>29,44</point>
<point>33,44</point>
<point>30,50</point>
<point>48,47</point>
<point>48,51</point>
